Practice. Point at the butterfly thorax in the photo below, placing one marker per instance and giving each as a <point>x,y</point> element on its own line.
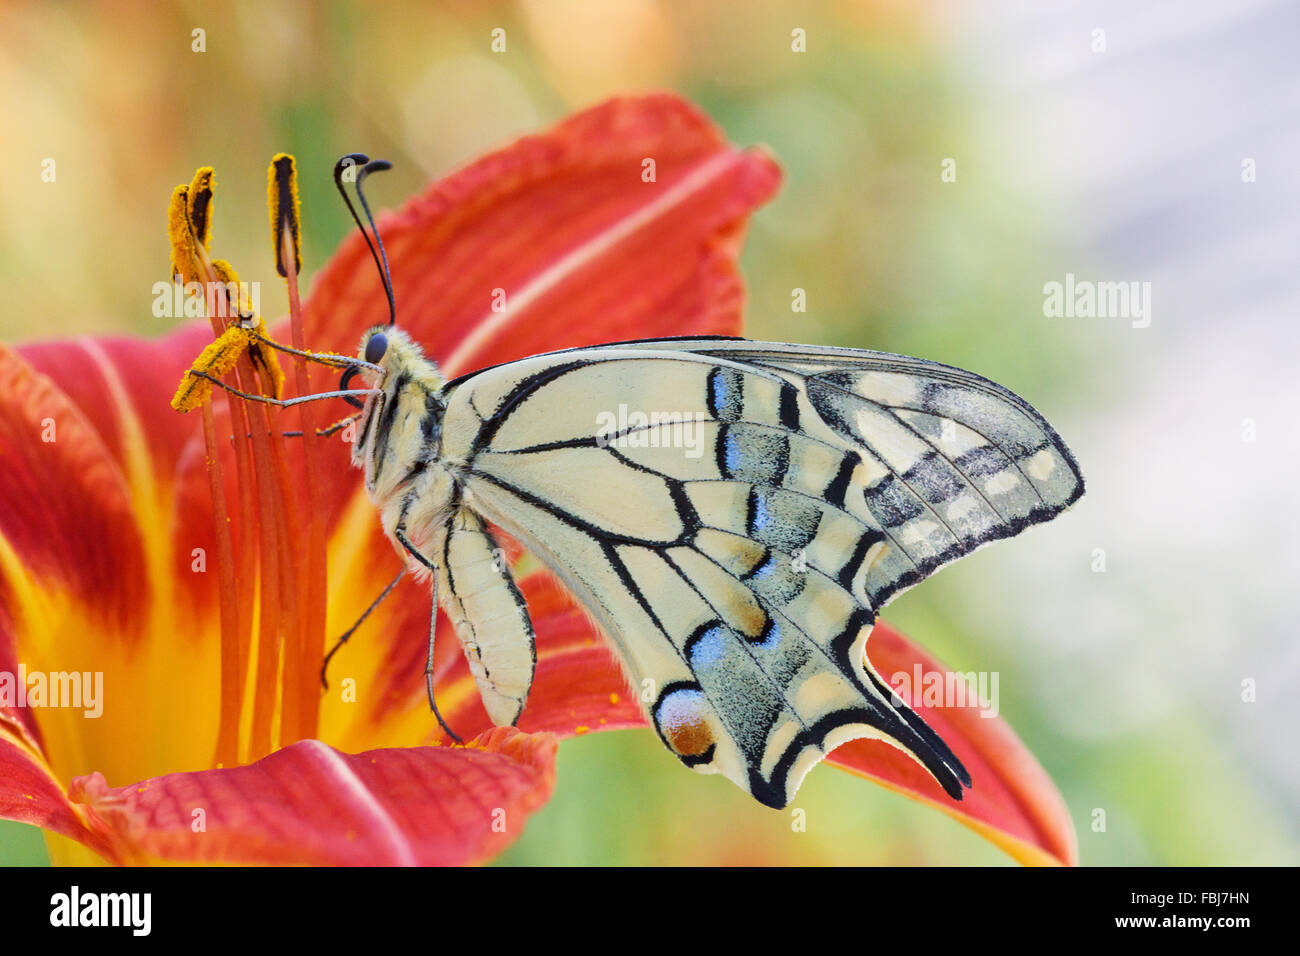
<point>399,437</point>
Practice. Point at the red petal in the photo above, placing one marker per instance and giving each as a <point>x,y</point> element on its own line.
<point>123,386</point>
<point>579,685</point>
<point>310,804</point>
<point>584,249</point>
<point>29,793</point>
<point>82,566</point>
<point>1013,802</point>
<point>65,508</point>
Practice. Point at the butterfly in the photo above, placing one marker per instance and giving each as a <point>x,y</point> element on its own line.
<point>739,584</point>
<point>732,514</point>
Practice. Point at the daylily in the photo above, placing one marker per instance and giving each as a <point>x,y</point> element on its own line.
<point>111,563</point>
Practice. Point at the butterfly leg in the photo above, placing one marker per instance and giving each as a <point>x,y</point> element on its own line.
<point>325,432</point>
<point>428,665</point>
<point>328,430</point>
<point>400,534</point>
<point>361,620</point>
<point>285,402</point>
<point>328,359</point>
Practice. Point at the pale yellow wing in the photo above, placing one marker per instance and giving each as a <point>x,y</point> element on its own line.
<point>734,514</point>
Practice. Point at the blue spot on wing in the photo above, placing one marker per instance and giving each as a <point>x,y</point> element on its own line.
<point>733,457</point>
<point>725,387</point>
<point>708,650</point>
<point>718,391</point>
<point>762,515</point>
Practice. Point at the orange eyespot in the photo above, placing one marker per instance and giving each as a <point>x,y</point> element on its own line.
<point>681,716</point>
<point>690,740</point>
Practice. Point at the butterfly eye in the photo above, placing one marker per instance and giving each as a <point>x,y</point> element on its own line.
<point>347,378</point>
<point>376,348</point>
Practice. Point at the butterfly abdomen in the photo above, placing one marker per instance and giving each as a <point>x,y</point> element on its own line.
<point>490,616</point>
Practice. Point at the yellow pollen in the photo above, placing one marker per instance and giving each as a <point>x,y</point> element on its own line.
<point>283,202</point>
<point>184,246</point>
<point>217,358</point>
<point>199,206</point>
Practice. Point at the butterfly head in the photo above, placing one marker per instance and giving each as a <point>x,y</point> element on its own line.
<point>406,384</point>
<point>388,352</point>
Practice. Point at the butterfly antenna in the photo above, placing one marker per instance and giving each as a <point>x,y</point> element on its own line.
<point>380,256</point>
<point>378,166</point>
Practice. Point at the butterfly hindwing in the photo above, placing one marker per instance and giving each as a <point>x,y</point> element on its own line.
<point>756,669</point>
<point>737,548</point>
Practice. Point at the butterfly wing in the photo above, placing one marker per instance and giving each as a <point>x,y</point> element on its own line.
<point>735,549</point>
<point>952,460</point>
<point>489,614</point>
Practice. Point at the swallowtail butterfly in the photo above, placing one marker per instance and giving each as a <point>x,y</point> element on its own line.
<point>733,514</point>
<point>738,569</point>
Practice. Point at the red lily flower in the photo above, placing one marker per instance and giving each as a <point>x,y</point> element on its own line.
<point>105,503</point>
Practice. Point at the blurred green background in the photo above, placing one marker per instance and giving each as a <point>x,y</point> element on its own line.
<point>1130,710</point>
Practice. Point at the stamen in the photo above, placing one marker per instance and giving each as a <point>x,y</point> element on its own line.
<point>232,669</point>
<point>292,584</point>
<point>217,358</point>
<point>285,213</point>
<point>282,199</point>
<point>272,562</point>
<point>181,236</point>
<point>199,206</point>
<point>268,639</point>
<point>258,476</point>
<point>189,262</point>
